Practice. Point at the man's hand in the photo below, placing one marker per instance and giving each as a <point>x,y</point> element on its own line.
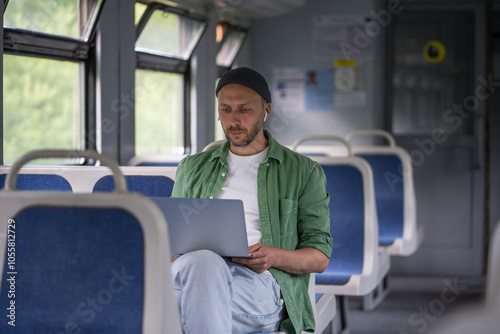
<point>261,260</point>
<point>300,261</point>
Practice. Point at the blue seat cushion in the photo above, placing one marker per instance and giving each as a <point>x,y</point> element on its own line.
<point>43,182</point>
<point>345,186</point>
<point>151,186</point>
<point>158,164</point>
<point>76,270</point>
<point>389,195</point>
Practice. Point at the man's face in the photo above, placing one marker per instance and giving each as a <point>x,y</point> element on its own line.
<point>241,111</point>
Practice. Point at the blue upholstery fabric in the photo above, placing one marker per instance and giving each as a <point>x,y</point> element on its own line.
<point>158,164</point>
<point>45,182</point>
<point>78,270</point>
<point>151,186</point>
<point>389,195</point>
<point>345,186</point>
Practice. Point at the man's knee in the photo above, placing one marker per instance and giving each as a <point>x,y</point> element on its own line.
<point>201,261</point>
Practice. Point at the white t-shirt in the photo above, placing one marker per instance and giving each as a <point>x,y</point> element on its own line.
<point>241,183</point>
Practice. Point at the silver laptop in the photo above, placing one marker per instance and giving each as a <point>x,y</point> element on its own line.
<point>199,223</point>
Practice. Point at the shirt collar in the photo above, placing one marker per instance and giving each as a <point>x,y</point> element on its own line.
<point>275,150</point>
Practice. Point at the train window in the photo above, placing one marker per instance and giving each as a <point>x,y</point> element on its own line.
<point>74,19</point>
<point>158,116</point>
<point>163,32</point>
<point>140,8</point>
<point>166,38</point>
<point>218,131</point>
<point>41,105</point>
<point>43,96</point>
<point>230,39</point>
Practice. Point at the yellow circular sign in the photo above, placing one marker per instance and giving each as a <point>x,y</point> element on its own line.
<point>434,51</point>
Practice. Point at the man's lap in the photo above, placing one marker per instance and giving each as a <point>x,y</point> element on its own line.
<point>256,303</point>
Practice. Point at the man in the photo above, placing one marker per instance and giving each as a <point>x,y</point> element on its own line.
<point>287,217</point>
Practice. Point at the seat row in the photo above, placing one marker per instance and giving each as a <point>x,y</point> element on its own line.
<point>391,167</point>
<point>354,177</point>
<point>364,190</point>
<point>82,262</point>
<point>93,245</point>
<point>373,210</point>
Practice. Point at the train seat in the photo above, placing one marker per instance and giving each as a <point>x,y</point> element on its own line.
<point>148,181</point>
<point>399,233</point>
<point>156,160</point>
<point>75,178</point>
<point>357,266</point>
<point>97,263</point>
<point>45,182</point>
<point>478,318</point>
<point>43,177</point>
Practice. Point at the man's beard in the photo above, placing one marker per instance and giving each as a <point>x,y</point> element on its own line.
<point>250,135</point>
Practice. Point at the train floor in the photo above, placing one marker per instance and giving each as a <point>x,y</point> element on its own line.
<point>414,308</point>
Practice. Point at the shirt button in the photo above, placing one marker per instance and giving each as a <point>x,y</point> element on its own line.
<point>211,197</point>
<point>268,164</point>
<point>223,174</point>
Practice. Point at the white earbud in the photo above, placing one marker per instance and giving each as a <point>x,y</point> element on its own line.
<point>265,117</point>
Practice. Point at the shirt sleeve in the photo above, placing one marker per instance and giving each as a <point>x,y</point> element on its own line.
<point>313,213</point>
<point>180,186</point>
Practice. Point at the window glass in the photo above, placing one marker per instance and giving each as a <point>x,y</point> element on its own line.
<point>70,18</point>
<point>158,113</point>
<point>229,49</point>
<point>40,106</point>
<point>170,34</point>
<point>218,131</point>
<point>140,8</point>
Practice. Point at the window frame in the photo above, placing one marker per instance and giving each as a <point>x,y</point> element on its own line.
<point>228,28</point>
<point>170,64</point>
<point>24,42</point>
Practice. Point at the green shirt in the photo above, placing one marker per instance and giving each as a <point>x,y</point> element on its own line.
<point>293,209</point>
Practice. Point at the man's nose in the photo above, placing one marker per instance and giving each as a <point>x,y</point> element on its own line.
<point>234,118</point>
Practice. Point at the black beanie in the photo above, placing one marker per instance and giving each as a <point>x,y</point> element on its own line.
<point>247,77</point>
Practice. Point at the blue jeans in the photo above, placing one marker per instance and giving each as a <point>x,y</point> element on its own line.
<point>218,296</point>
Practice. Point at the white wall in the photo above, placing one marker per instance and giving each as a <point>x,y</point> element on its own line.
<point>286,41</point>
